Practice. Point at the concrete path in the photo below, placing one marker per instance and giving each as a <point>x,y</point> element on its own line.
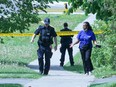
<point>105,80</point>
<point>58,77</point>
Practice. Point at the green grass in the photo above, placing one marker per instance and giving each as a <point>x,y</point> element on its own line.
<point>58,20</point>
<point>14,71</point>
<point>17,52</point>
<point>78,68</point>
<point>10,85</point>
<point>104,85</point>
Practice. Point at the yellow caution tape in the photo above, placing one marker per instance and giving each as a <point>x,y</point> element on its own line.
<point>63,33</point>
<point>16,34</point>
<point>67,33</point>
<point>66,10</point>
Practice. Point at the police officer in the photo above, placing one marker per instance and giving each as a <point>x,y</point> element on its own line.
<point>47,33</point>
<point>65,44</point>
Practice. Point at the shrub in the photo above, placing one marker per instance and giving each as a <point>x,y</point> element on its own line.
<point>106,56</point>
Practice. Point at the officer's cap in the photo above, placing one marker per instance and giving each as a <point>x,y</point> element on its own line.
<point>46,21</point>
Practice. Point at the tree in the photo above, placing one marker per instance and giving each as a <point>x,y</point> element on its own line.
<point>104,9</point>
<point>16,15</point>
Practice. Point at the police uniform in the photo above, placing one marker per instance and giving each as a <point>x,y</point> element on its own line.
<point>65,44</point>
<point>85,46</point>
<point>44,42</point>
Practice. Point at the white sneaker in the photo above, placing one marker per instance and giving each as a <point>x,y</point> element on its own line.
<point>86,74</point>
<point>90,73</point>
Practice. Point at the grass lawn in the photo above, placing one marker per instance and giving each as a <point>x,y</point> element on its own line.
<point>14,71</point>
<point>10,85</point>
<point>104,85</point>
<point>17,52</point>
<point>58,20</point>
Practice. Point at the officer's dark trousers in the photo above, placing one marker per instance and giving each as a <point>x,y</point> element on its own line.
<point>63,51</point>
<point>41,52</point>
<point>86,54</point>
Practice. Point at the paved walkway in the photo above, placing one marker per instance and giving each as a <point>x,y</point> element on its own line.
<point>105,80</point>
<point>58,77</point>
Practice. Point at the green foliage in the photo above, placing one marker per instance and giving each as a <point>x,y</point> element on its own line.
<point>20,19</point>
<point>3,1</point>
<point>17,23</point>
<point>105,56</point>
<point>104,9</point>
<point>104,71</point>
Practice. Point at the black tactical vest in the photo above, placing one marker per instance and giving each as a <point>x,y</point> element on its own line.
<point>45,37</point>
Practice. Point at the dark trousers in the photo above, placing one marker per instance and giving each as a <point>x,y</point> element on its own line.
<point>48,54</point>
<point>86,54</point>
<point>63,51</point>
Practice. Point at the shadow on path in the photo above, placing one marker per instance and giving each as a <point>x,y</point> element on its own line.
<point>53,67</point>
<point>76,68</point>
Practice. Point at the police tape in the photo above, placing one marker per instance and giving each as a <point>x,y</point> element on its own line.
<point>63,33</point>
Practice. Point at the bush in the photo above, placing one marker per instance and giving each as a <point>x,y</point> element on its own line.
<point>106,56</point>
